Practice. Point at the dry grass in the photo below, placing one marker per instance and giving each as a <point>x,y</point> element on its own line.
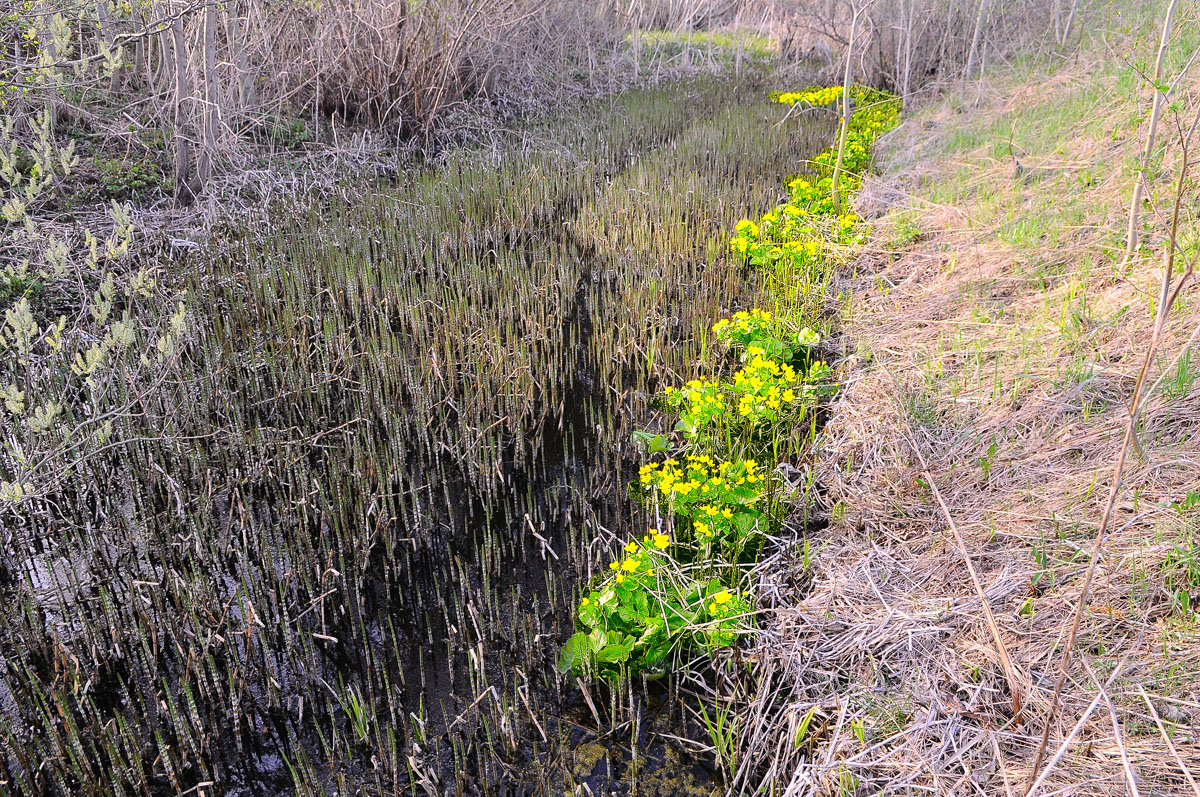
<point>1001,347</point>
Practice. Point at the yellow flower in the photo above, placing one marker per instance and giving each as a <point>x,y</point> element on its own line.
<point>631,564</point>
<point>661,541</point>
<point>614,565</point>
<point>722,597</point>
<point>631,547</point>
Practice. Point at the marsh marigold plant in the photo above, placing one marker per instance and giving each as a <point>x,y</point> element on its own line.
<point>686,584</point>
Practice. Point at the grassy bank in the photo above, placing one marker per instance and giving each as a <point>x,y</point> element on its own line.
<point>993,336</point>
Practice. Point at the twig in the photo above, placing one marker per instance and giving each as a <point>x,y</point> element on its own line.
<point>587,696</point>
<point>1170,745</point>
<point>1010,670</point>
<point>1074,731</point>
<point>1000,764</point>
<point>1175,363</point>
<point>1117,734</point>
<point>837,730</point>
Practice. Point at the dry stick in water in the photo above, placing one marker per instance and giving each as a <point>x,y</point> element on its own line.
<point>1168,296</point>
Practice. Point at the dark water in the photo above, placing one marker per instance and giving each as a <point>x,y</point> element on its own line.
<point>337,551</point>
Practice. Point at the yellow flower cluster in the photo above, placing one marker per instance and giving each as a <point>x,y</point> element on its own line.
<point>764,386</point>
<point>635,617</point>
<point>798,233</point>
<point>636,560</point>
<point>703,399</point>
<point>717,503</point>
<point>808,232</point>
<point>816,97</point>
<point>742,321</point>
<point>720,599</point>
<point>709,520</point>
<point>699,477</point>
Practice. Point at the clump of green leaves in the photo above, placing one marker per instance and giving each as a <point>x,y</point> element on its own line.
<point>1181,574</point>
<point>283,133</point>
<point>120,180</point>
<point>648,605</point>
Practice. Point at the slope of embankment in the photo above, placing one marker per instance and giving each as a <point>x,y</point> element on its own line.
<point>994,335</point>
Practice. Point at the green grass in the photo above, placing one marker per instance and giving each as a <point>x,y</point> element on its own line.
<point>1181,380</point>
<point>682,42</point>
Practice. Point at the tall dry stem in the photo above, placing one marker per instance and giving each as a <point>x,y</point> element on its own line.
<point>1066,31</point>
<point>182,101</point>
<point>208,148</point>
<point>845,126</point>
<point>974,53</point>
<point>1160,97</point>
<point>1169,295</point>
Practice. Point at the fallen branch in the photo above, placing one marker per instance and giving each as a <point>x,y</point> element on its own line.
<point>1066,743</point>
<point>1010,670</point>
<point>1118,736</point>
<point>1170,745</point>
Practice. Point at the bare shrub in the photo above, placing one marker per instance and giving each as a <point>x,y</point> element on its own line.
<point>211,77</point>
<point>908,44</point>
